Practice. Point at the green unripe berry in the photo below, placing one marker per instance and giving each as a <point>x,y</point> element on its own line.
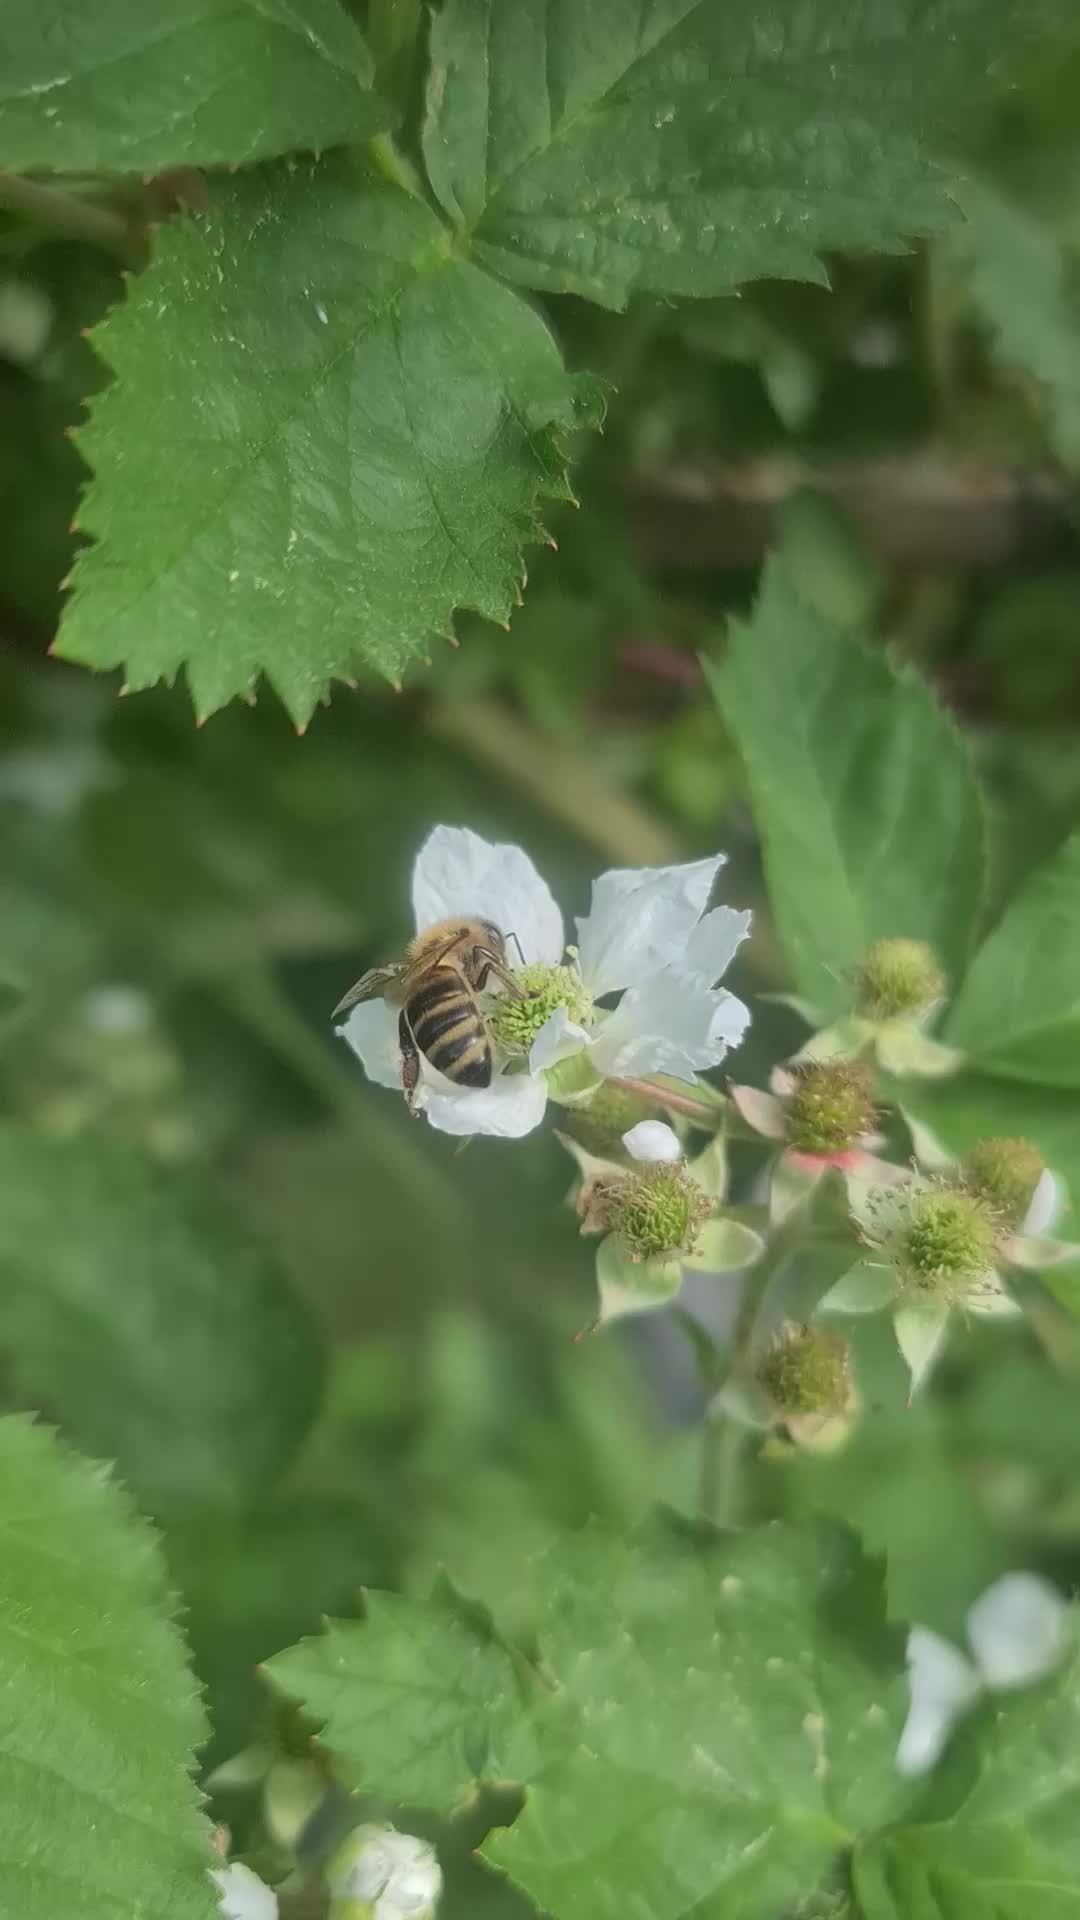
<point>516,1023</point>
<point>830,1106</point>
<point>657,1209</point>
<point>897,979</point>
<point>946,1241</point>
<point>1005,1174</point>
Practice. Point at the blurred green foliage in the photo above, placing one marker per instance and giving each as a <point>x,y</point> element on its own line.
<point>327,1347</point>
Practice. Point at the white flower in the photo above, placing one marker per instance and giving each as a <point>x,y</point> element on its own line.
<point>243,1895</point>
<point>931,1251</point>
<point>1017,1633</point>
<point>647,936</point>
<point>395,1875</point>
<point>652,1140</point>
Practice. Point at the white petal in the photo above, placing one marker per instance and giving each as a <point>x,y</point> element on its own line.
<point>652,1140</point>
<point>512,1106</point>
<point>943,1685</point>
<point>711,947</point>
<point>920,1335</point>
<point>639,919</point>
<point>558,1039</point>
<point>666,1025</point>
<point>730,1020</point>
<point>371,1030</point>
<point>1018,1629</point>
<point>1036,1253</point>
<point>458,873</point>
<point>243,1895</point>
<point>1047,1204</point>
<point>989,1297</point>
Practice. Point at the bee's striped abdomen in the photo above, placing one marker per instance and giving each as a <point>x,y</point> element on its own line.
<point>447,1027</point>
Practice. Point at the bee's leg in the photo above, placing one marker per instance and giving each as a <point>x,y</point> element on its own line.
<point>410,1062</point>
<point>498,968</point>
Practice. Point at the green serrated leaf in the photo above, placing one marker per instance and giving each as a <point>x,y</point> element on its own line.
<point>111,88</point>
<point>359,426</point>
<point>1019,272</point>
<point>767,1739</point>
<point>862,791</point>
<point>1010,1851</point>
<point>1019,1010</point>
<point>135,1310</point>
<point>419,1700</point>
<point>606,150</point>
<point>98,1816</point>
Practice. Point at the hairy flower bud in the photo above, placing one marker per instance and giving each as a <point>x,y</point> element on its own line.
<point>946,1241</point>
<point>1005,1174</point>
<point>516,1023</point>
<point>380,1874</point>
<point>830,1107</point>
<point>657,1209</point>
<point>807,1370</point>
<point>897,979</point>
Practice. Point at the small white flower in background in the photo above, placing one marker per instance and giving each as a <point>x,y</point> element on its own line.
<point>1017,1632</point>
<point>243,1895</point>
<point>385,1875</point>
<point>647,937</point>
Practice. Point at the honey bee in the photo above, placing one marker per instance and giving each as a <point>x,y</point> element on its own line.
<point>437,985</point>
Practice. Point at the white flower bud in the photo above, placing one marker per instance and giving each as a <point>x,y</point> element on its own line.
<point>652,1140</point>
<point>243,1895</point>
<point>394,1876</point>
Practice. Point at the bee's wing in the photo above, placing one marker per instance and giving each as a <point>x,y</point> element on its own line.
<point>373,982</point>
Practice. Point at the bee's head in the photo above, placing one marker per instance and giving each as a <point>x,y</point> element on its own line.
<point>493,936</point>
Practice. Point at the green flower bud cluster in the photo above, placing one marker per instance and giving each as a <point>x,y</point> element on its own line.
<point>830,1106</point>
<point>516,1023</point>
<point>897,979</point>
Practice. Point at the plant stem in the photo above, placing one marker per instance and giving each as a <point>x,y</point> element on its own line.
<point>392,28</point>
<point>556,777</point>
<point>699,1110</point>
<point>722,1448</point>
<point>68,214</point>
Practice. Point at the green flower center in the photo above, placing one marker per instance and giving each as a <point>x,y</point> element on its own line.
<point>660,1209</point>
<point>897,979</point>
<point>1005,1174</point>
<point>807,1370</point>
<point>947,1240</point>
<point>830,1107</point>
<point>516,1023</point>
